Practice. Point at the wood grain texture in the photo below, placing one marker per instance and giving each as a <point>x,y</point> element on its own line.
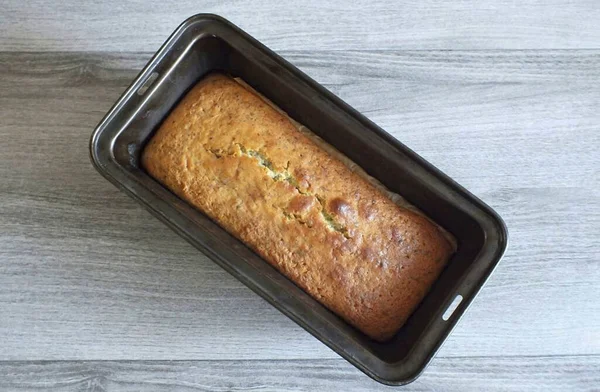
<point>97,295</point>
<point>87,274</point>
<point>578,373</point>
<point>309,25</point>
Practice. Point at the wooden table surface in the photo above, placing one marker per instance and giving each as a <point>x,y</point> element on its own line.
<point>97,295</point>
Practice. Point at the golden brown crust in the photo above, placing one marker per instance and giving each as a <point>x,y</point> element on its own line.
<point>235,158</point>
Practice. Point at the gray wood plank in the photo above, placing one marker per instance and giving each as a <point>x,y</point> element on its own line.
<point>85,273</point>
<point>310,25</point>
<point>578,373</point>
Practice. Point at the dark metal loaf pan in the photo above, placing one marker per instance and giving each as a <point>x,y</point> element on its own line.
<point>206,43</point>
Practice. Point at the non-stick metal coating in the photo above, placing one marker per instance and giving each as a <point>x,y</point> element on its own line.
<point>206,43</point>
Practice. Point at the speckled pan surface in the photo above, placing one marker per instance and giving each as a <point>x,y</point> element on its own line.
<point>206,43</point>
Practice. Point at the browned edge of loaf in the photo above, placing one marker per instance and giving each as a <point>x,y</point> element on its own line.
<point>329,149</point>
<point>245,165</point>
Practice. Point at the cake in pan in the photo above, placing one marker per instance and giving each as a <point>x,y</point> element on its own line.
<point>304,208</point>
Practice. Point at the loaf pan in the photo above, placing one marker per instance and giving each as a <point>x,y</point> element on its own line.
<point>206,43</point>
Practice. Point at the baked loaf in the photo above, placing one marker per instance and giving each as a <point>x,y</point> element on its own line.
<point>228,153</point>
